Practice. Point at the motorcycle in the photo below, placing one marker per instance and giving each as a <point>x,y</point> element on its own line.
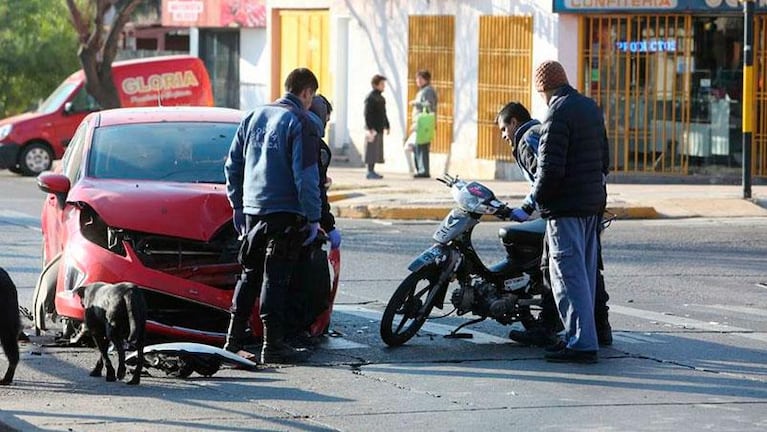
<point>505,291</point>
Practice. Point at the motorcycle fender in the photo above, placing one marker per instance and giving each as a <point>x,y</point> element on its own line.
<point>435,255</point>
<point>187,348</point>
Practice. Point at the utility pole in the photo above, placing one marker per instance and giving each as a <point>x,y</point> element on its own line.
<point>748,93</point>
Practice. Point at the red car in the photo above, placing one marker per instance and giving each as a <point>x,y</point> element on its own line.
<point>140,196</point>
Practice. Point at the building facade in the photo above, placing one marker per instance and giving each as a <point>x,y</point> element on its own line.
<point>667,74</point>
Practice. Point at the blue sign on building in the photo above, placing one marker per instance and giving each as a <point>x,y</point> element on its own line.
<point>653,6</point>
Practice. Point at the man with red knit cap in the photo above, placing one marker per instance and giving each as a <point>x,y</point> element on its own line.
<point>570,194</point>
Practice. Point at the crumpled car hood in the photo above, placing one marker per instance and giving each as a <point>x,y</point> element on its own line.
<point>186,210</point>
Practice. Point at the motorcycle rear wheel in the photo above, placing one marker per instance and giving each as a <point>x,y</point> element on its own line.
<point>409,307</point>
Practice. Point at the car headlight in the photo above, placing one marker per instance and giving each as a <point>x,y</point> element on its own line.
<point>5,130</point>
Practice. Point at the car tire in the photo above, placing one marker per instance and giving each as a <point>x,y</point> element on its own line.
<point>15,169</point>
<point>35,158</point>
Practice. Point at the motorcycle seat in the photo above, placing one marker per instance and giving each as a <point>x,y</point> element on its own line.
<point>526,233</point>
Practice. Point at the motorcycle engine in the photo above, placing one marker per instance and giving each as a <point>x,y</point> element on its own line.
<point>482,298</point>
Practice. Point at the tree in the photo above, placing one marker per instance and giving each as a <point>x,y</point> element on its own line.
<point>98,24</point>
<point>37,47</point>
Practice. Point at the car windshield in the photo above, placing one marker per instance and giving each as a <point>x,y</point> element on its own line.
<point>176,152</point>
<point>57,98</point>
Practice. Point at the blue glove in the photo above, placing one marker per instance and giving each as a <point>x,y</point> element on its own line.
<point>313,228</point>
<point>519,215</point>
<point>335,238</point>
<point>239,221</point>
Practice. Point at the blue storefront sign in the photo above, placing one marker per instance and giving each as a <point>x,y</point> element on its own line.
<point>652,6</point>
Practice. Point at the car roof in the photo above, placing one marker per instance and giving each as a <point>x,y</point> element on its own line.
<point>120,116</point>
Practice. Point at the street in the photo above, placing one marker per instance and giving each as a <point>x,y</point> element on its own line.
<point>688,313</point>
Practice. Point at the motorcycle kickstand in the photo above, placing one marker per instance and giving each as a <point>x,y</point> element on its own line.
<point>455,335</point>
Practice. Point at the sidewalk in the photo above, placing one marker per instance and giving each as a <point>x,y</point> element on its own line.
<point>399,196</point>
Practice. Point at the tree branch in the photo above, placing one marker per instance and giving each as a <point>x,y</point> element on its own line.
<point>81,27</point>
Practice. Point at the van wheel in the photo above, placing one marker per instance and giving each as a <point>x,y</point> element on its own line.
<point>15,169</point>
<point>35,158</point>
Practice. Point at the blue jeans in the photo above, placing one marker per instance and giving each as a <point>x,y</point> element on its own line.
<point>421,158</point>
<point>573,249</point>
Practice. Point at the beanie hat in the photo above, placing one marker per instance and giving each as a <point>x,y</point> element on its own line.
<point>550,75</point>
<point>320,107</point>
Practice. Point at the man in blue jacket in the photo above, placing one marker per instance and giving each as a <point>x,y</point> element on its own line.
<point>272,181</point>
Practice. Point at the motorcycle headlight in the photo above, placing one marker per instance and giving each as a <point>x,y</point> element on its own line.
<point>5,130</point>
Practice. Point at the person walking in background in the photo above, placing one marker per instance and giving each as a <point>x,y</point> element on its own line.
<point>425,100</point>
<point>570,194</point>
<point>272,182</point>
<point>523,134</point>
<point>376,122</point>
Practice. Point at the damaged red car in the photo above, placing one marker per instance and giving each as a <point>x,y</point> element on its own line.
<point>140,196</point>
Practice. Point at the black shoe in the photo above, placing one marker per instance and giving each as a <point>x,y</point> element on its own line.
<point>604,332</point>
<point>559,346</point>
<point>372,175</point>
<point>537,336</point>
<point>568,355</point>
<point>421,175</point>
<point>283,353</point>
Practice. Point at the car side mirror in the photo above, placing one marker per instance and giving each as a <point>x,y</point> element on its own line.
<point>56,184</point>
<point>68,108</point>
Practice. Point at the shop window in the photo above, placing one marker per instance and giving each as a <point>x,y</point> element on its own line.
<point>505,74</point>
<point>671,91</point>
<point>431,42</point>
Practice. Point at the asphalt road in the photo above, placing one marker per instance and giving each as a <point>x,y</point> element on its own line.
<point>690,353</point>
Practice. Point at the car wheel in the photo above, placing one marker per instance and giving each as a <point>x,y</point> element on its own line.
<point>35,158</point>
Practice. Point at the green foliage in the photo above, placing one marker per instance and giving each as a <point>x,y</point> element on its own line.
<point>39,49</point>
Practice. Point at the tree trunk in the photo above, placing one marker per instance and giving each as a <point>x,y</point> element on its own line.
<point>97,53</point>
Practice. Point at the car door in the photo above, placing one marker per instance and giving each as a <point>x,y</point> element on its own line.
<point>75,111</point>
<point>55,210</point>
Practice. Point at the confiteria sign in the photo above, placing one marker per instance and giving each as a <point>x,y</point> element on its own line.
<point>651,5</point>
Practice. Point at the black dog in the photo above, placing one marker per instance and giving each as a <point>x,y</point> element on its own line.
<point>10,324</point>
<point>115,313</point>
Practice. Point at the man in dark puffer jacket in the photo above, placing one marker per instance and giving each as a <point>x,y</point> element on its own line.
<point>570,193</point>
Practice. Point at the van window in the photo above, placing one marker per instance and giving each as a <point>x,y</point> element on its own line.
<point>57,98</point>
<point>83,101</point>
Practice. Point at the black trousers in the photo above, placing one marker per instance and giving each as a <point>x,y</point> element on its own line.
<point>268,256</point>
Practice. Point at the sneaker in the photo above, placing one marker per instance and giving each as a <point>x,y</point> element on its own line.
<point>536,336</point>
<point>421,175</point>
<point>372,175</point>
<point>568,355</point>
<point>604,333</point>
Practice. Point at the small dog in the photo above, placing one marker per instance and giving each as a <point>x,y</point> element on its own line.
<point>10,325</point>
<point>115,313</point>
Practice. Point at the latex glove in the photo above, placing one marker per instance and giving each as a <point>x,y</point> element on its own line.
<point>313,228</point>
<point>335,238</point>
<point>519,215</point>
<point>239,221</point>
<point>503,213</point>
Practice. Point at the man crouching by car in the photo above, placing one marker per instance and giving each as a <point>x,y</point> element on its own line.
<point>272,181</point>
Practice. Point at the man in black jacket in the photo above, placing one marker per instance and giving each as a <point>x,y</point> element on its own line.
<point>570,194</point>
<point>523,135</point>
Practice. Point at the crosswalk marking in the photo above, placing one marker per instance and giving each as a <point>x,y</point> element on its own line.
<point>438,329</point>
<point>689,322</point>
<point>18,218</point>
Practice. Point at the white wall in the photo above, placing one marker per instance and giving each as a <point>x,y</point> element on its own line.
<point>254,68</point>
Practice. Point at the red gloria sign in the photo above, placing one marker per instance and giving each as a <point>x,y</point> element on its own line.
<point>214,13</point>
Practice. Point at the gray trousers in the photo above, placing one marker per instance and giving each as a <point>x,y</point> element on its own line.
<point>573,249</point>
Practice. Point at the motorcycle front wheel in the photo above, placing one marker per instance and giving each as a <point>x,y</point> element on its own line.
<point>409,306</point>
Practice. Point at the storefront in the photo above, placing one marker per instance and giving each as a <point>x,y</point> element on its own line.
<point>668,75</point>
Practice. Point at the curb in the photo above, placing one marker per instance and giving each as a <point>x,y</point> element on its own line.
<point>435,213</point>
